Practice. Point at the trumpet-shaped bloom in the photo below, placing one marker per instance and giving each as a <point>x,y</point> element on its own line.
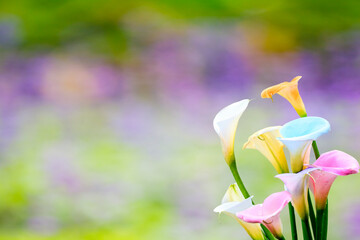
<point>266,142</point>
<point>289,91</point>
<point>297,184</point>
<point>268,213</point>
<point>234,202</point>
<point>331,164</point>
<point>225,124</point>
<point>297,135</point>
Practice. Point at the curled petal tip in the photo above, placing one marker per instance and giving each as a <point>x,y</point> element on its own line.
<point>296,79</point>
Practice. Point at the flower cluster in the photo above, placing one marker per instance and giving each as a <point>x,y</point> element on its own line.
<point>262,221</point>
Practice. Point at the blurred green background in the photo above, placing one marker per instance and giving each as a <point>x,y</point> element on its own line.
<point>106,111</point>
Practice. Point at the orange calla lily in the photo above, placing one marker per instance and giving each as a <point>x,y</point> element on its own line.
<point>289,91</point>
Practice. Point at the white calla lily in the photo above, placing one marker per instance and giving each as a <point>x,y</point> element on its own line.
<point>225,125</point>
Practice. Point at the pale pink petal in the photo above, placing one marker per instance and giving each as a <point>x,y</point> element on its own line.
<point>320,185</point>
<point>274,225</point>
<point>252,215</point>
<point>337,162</point>
<point>275,203</point>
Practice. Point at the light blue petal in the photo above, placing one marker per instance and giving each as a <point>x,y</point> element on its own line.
<point>306,128</point>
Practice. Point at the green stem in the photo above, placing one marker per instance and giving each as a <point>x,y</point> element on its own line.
<point>312,215</point>
<point>238,180</point>
<point>316,150</point>
<point>292,222</point>
<point>306,229</point>
<point>321,214</point>
<point>325,222</point>
<point>319,223</point>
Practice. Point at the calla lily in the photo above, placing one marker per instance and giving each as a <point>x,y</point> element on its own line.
<point>268,213</point>
<point>289,91</point>
<point>331,164</point>
<point>234,202</point>
<point>297,184</point>
<point>266,142</point>
<point>225,124</point>
<point>298,135</point>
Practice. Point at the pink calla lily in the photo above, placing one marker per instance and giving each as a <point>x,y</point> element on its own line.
<point>330,165</point>
<point>297,184</point>
<point>268,213</point>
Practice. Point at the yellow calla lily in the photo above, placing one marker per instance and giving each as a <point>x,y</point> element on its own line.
<point>289,91</point>
<point>266,142</point>
<point>233,202</point>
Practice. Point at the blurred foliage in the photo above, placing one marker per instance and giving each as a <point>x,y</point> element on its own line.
<point>100,24</point>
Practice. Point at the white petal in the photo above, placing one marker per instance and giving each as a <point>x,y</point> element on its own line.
<point>226,121</point>
<point>234,207</point>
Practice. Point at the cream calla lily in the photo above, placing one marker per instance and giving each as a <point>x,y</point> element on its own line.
<point>266,142</point>
<point>234,202</point>
<point>297,184</point>
<point>289,91</point>
<point>225,125</point>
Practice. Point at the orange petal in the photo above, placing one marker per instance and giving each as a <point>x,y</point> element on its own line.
<point>289,91</point>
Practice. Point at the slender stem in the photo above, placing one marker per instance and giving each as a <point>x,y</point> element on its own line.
<point>319,223</point>
<point>316,150</point>
<point>292,222</point>
<point>312,215</point>
<point>325,222</point>
<point>267,233</point>
<point>306,229</point>
<point>305,234</point>
<point>238,180</point>
<point>321,214</point>
<point>246,194</point>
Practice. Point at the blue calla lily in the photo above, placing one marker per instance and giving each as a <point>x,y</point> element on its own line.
<point>298,135</point>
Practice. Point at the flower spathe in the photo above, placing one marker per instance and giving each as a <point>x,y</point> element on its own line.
<point>298,135</point>
<point>330,165</point>
<point>297,184</point>
<point>234,202</point>
<point>268,213</point>
<point>225,124</point>
<point>266,142</point>
<point>289,91</point>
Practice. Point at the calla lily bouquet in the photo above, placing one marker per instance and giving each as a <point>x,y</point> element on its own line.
<point>304,183</point>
